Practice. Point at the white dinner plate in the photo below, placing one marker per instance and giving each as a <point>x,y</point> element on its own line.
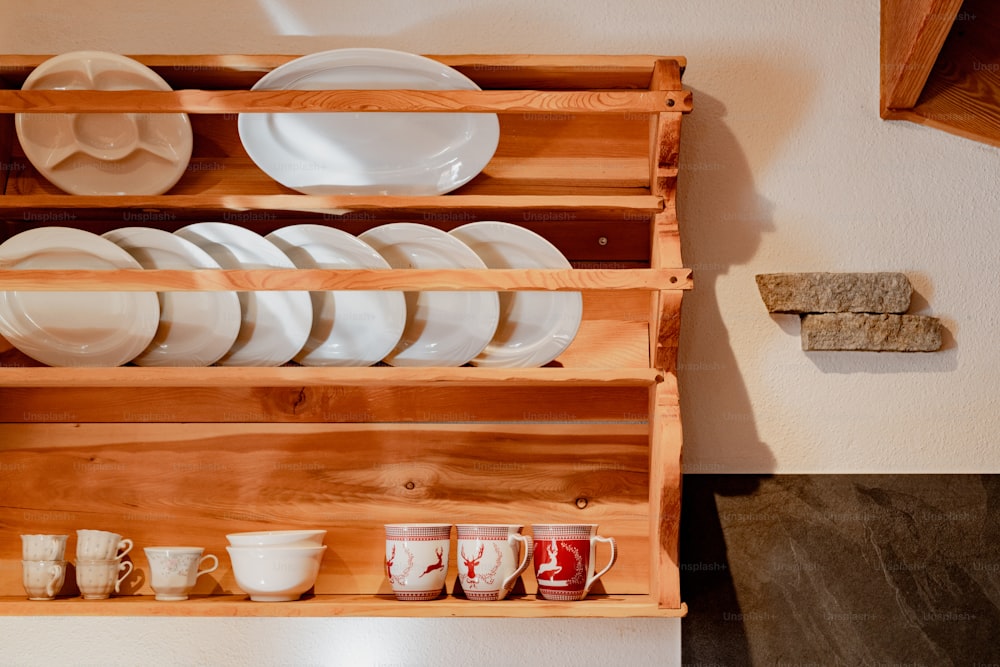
<point>371,152</point>
<point>196,328</point>
<point>275,324</point>
<point>104,153</point>
<point>535,327</point>
<point>443,328</point>
<point>74,328</point>
<point>350,327</point>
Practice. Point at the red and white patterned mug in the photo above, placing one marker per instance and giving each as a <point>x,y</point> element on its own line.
<point>491,559</point>
<point>416,559</point>
<point>565,559</point>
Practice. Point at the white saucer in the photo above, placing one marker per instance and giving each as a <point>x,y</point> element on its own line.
<point>275,324</point>
<point>442,328</point>
<point>535,327</point>
<point>350,327</point>
<point>369,153</point>
<point>196,328</point>
<point>104,153</point>
<point>74,328</point>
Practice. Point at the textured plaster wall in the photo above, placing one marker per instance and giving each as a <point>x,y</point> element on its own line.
<point>786,166</point>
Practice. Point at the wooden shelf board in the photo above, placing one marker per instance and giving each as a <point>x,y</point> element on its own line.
<point>940,66</point>
<point>912,32</point>
<point>141,280</point>
<point>609,606</point>
<point>554,71</point>
<point>294,376</point>
<point>338,204</point>
<point>355,101</point>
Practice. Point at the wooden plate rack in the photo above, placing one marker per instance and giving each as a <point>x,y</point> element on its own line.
<point>588,157</point>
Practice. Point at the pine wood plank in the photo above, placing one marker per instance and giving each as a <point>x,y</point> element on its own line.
<point>177,280</point>
<point>665,246</point>
<point>488,70</point>
<point>962,91</point>
<point>608,606</point>
<point>912,33</point>
<point>339,204</point>
<point>285,376</point>
<point>311,404</point>
<point>354,101</point>
<point>665,491</point>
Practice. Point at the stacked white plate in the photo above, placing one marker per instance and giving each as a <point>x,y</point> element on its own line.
<point>534,327</point>
<point>349,327</point>
<point>74,328</point>
<point>443,328</point>
<point>196,328</point>
<point>272,328</point>
<point>275,324</point>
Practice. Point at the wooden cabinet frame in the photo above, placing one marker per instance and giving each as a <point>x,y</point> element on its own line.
<point>588,157</point>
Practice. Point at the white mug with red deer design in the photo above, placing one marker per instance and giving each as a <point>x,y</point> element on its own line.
<point>565,559</point>
<point>416,559</point>
<point>490,559</point>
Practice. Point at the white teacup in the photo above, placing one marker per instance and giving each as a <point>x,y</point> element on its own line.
<point>43,578</point>
<point>101,545</point>
<point>173,571</point>
<point>490,559</point>
<point>43,547</point>
<point>416,559</point>
<point>97,578</point>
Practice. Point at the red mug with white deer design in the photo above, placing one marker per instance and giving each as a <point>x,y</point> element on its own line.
<point>416,559</point>
<point>565,559</point>
<point>490,559</point>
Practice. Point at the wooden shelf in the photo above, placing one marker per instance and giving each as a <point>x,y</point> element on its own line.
<point>941,66</point>
<point>588,157</point>
<point>299,376</point>
<point>612,606</point>
<point>132,280</point>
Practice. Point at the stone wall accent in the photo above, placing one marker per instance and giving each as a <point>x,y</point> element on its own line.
<point>835,292</point>
<point>872,332</point>
<point>851,311</point>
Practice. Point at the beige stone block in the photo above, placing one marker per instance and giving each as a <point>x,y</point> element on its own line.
<point>868,332</point>
<point>835,292</point>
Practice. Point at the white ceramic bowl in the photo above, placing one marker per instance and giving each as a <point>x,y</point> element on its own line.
<point>275,573</point>
<point>266,538</point>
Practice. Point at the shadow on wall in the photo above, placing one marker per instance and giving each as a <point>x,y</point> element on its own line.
<point>723,220</point>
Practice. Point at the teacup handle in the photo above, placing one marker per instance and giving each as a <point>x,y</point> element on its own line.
<point>614,556</point>
<point>527,545</point>
<point>212,568</point>
<point>56,572</point>
<point>125,567</point>
<point>124,546</point>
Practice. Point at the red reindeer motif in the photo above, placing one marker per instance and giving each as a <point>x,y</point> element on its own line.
<point>438,565</point>
<point>471,563</point>
<point>389,561</point>
<point>552,564</point>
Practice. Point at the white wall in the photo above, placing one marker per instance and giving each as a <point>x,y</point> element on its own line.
<point>786,167</point>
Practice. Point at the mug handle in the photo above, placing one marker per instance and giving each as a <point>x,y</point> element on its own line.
<point>50,587</point>
<point>213,568</point>
<point>126,567</point>
<point>508,583</point>
<point>125,544</point>
<point>614,556</point>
